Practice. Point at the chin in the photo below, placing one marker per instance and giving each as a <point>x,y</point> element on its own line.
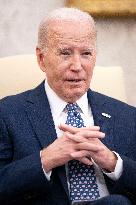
<point>73,96</point>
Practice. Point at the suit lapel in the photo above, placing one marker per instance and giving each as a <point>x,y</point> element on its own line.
<point>39,113</point>
<point>103,117</point>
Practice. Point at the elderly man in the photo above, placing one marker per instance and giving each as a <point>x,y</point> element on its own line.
<point>62,143</point>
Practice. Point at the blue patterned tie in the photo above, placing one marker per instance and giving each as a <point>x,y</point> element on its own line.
<point>82,179</point>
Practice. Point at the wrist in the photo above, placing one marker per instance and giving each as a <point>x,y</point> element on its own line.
<point>45,161</point>
<point>111,163</point>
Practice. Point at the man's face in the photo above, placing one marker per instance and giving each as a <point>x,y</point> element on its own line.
<point>70,58</point>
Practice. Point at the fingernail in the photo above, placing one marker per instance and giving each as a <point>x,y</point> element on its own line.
<point>72,155</point>
<point>97,127</point>
<point>90,163</point>
<point>102,134</point>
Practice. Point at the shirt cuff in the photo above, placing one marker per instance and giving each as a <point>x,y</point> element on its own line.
<point>47,174</point>
<point>115,175</point>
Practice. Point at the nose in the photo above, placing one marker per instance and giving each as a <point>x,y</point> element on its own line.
<point>76,64</point>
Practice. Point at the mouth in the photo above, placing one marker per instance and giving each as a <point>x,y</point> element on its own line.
<point>74,80</point>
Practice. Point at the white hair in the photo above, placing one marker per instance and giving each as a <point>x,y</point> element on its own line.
<point>62,14</point>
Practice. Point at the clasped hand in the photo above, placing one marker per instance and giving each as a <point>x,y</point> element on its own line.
<point>82,144</point>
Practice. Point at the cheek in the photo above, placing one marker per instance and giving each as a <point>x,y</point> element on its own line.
<point>60,69</point>
<point>91,67</point>
<point>89,70</point>
<point>54,75</point>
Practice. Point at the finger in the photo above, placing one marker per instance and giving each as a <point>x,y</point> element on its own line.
<point>76,138</point>
<point>80,154</point>
<point>67,128</point>
<point>93,147</point>
<point>86,161</point>
<point>82,157</point>
<point>83,136</point>
<point>74,130</point>
<point>91,134</point>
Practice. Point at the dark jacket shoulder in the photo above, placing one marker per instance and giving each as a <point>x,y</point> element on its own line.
<point>18,100</point>
<point>110,105</point>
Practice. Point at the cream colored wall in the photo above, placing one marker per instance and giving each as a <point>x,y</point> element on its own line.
<point>117,46</point>
<point>116,37</point>
<point>19,20</point>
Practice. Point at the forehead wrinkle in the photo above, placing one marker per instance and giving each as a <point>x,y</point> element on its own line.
<point>57,37</point>
<point>66,30</point>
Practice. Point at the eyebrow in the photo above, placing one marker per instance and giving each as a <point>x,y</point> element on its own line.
<point>69,48</point>
<point>63,49</point>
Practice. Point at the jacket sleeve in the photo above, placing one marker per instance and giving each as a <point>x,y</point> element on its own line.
<point>20,179</point>
<point>126,185</point>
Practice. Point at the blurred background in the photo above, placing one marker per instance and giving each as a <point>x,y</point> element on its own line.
<point>116,36</point>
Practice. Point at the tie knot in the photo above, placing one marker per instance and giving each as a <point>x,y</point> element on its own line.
<point>73,115</point>
<point>72,107</point>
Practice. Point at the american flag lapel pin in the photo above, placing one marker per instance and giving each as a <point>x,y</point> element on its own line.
<point>106,115</point>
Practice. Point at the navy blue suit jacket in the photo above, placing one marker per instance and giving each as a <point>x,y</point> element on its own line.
<point>26,126</point>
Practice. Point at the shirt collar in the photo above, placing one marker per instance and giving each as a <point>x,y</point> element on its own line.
<point>55,100</point>
<point>83,104</point>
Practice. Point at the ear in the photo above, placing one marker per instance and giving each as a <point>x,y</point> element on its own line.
<point>40,59</point>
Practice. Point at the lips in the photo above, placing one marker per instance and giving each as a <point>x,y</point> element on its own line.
<point>74,80</point>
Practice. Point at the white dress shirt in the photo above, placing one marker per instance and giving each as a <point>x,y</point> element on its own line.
<point>57,106</point>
